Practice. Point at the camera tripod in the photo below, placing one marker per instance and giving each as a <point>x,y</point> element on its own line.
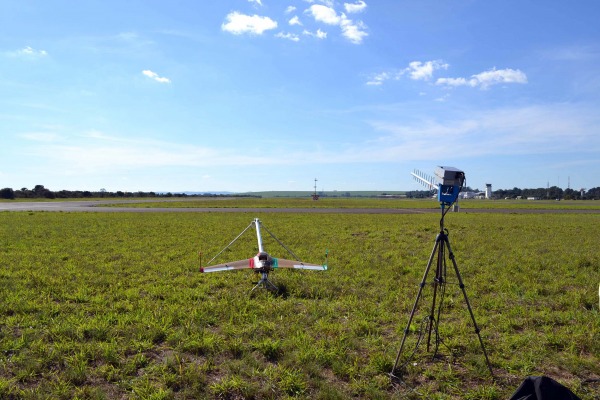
<point>440,249</point>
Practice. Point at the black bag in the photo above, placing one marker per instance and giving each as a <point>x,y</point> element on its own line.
<point>542,388</point>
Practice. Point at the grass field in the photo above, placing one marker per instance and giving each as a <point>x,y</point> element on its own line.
<point>111,305</point>
<point>330,203</point>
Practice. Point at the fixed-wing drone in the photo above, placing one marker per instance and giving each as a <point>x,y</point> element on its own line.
<point>262,262</point>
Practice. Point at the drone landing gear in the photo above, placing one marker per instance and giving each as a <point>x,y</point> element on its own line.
<point>265,283</point>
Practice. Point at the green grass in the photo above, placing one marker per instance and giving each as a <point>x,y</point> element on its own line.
<point>113,306</point>
<point>328,203</point>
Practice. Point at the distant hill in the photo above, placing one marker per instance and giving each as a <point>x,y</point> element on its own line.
<point>207,193</point>
<point>325,194</point>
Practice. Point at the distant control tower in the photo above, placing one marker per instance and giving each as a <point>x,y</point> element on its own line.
<point>488,190</point>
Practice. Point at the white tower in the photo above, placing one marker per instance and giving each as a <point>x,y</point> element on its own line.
<point>488,190</point>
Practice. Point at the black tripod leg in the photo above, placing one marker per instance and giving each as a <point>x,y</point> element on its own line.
<point>412,313</point>
<point>462,287</point>
<point>438,281</point>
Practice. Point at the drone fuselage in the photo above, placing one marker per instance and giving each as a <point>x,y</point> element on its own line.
<point>262,262</point>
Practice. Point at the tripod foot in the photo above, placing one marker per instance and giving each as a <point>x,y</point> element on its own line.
<point>266,284</point>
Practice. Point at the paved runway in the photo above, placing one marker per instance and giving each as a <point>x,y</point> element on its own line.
<point>102,206</point>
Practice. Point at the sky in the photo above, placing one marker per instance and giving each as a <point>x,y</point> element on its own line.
<point>255,95</point>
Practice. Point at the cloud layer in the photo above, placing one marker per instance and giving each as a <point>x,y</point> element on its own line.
<point>480,133</point>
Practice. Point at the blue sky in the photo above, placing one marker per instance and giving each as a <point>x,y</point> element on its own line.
<point>268,95</point>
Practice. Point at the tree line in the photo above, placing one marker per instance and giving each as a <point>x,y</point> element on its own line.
<point>549,193</point>
<point>41,192</point>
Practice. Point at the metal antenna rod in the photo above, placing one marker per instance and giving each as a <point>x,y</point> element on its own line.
<point>282,245</point>
<point>258,237</point>
<point>233,241</point>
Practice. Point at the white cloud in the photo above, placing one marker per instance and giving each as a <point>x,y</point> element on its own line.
<point>416,70</point>
<point>155,76</point>
<point>290,36</point>
<point>295,21</point>
<point>328,3</point>
<point>378,79</point>
<point>319,34</point>
<point>494,77</point>
<point>290,9</point>
<point>357,7</point>
<point>32,52</point>
<point>324,14</point>
<point>257,2</point>
<point>238,24</point>
<point>487,78</point>
<point>353,31</point>
<point>424,70</point>
<point>28,52</point>
<point>452,82</point>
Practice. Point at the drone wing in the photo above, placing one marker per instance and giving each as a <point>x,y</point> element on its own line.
<point>283,263</point>
<point>240,264</point>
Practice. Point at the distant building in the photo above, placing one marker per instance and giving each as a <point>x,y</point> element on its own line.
<point>471,195</point>
<point>488,190</point>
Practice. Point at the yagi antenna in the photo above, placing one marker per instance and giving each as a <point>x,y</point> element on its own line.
<point>424,179</point>
<point>447,182</point>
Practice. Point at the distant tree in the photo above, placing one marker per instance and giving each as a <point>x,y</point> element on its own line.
<point>571,194</point>
<point>419,194</point>
<point>507,193</point>
<point>24,193</point>
<point>39,190</point>
<point>7,193</point>
<point>593,193</point>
